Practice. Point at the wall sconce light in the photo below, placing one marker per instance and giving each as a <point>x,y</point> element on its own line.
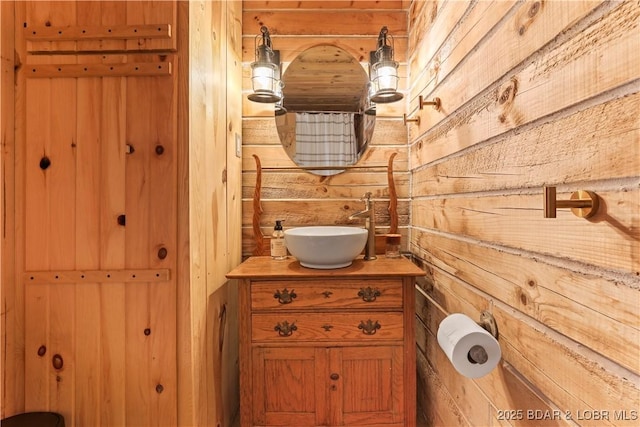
<point>265,71</point>
<point>383,71</point>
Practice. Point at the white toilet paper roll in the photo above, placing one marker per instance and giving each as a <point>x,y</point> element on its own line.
<point>457,334</point>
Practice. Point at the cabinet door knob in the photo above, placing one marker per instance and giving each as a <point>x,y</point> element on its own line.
<point>334,376</point>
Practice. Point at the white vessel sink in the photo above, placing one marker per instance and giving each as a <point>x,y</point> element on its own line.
<point>325,247</point>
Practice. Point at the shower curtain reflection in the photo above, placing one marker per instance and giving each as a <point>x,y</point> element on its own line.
<point>325,139</point>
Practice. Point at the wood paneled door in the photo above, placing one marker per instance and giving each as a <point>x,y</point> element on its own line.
<point>97,187</point>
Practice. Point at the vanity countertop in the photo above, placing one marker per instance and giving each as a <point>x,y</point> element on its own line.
<point>265,267</point>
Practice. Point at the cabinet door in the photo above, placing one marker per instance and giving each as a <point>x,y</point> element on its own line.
<point>289,386</point>
<point>372,385</point>
<point>351,386</point>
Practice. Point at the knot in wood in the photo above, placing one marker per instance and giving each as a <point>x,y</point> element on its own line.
<point>45,163</point>
<point>504,96</point>
<point>534,9</point>
<point>523,299</point>
<point>57,362</point>
<point>162,253</point>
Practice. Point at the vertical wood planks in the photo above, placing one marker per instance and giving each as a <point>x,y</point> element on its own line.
<point>155,12</point>
<point>88,307</point>
<point>139,386</point>
<point>162,147</point>
<point>227,322</point>
<point>12,292</point>
<point>114,345</point>
<point>36,225</point>
<point>62,196</point>
<point>113,393</point>
<point>194,263</point>
<point>217,147</point>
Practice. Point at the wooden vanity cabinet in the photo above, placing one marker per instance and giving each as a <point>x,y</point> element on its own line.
<point>327,347</point>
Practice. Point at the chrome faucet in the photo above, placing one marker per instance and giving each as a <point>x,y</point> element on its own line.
<point>370,224</point>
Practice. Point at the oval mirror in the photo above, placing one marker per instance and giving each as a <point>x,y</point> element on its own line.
<point>325,119</point>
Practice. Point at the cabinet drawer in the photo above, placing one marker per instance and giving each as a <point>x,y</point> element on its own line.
<point>297,326</point>
<point>352,294</point>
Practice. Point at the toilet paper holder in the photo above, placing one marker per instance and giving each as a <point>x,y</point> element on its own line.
<point>488,323</point>
<point>477,353</point>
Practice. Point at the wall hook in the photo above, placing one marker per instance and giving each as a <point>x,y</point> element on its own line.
<point>436,103</point>
<point>415,120</point>
<point>583,203</point>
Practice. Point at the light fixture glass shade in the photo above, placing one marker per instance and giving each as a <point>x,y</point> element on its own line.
<point>385,82</point>
<point>265,71</point>
<point>265,82</point>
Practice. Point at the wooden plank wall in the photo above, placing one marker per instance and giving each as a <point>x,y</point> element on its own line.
<point>298,197</point>
<point>534,93</point>
<point>12,312</point>
<point>213,197</point>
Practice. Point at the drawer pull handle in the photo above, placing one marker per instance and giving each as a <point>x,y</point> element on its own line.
<point>369,327</point>
<point>327,328</point>
<point>327,294</point>
<point>334,376</point>
<point>368,294</point>
<point>285,329</point>
<point>285,297</point>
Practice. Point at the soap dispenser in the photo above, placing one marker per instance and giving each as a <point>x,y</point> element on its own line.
<point>278,245</point>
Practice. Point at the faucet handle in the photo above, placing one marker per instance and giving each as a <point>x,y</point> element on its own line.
<point>366,197</point>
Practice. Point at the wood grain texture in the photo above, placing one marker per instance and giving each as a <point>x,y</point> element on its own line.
<point>11,298</point>
<point>90,357</point>
<point>516,221</point>
<point>291,46</point>
<point>316,22</point>
<point>312,4</point>
<point>526,347</point>
<point>551,99</point>
<point>211,189</point>
<point>325,295</point>
<point>601,136</point>
<point>568,302</point>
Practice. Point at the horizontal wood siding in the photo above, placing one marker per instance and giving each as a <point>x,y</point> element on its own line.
<point>296,196</point>
<point>533,93</point>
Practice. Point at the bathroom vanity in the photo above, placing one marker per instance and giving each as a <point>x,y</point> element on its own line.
<point>327,347</point>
